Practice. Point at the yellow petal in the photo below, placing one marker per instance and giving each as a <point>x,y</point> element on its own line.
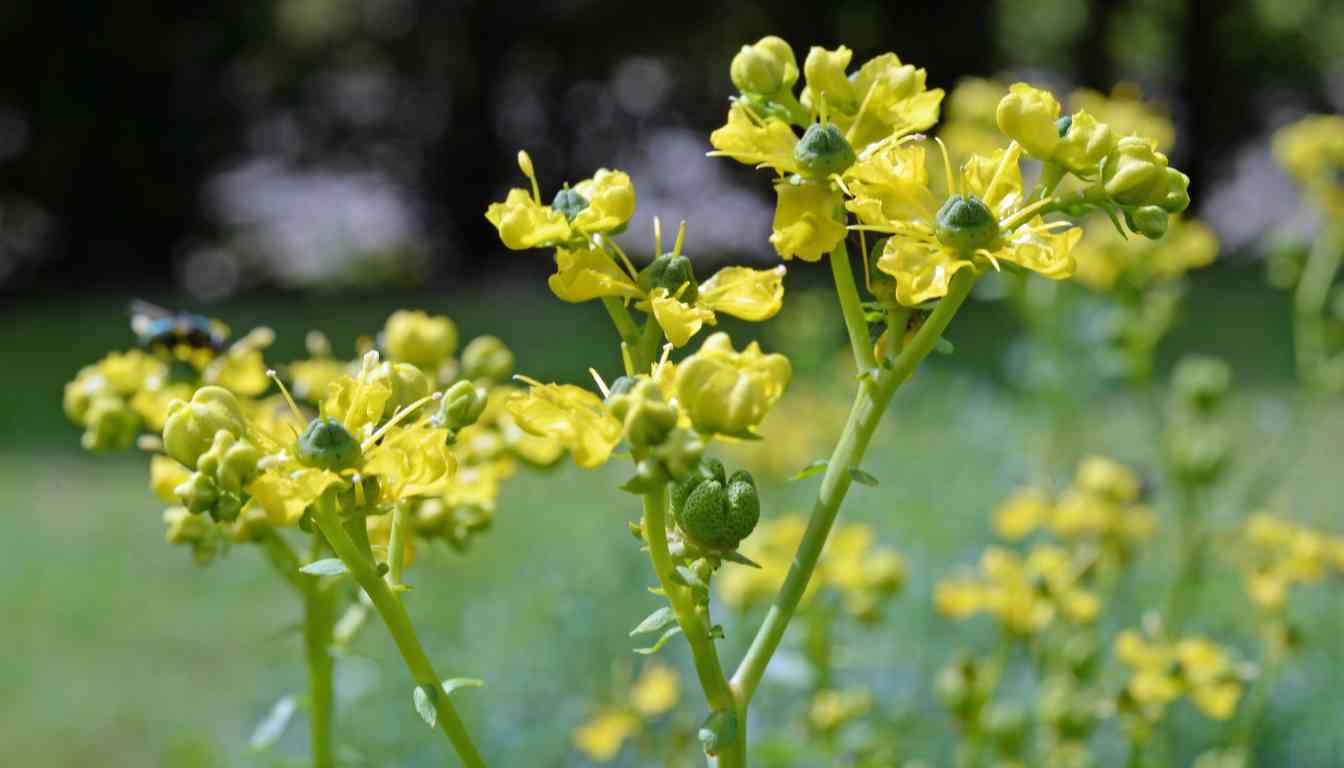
<point>524,223</point>
<point>1021,513</point>
<point>827,80</point>
<point>727,392</point>
<point>751,294</point>
<point>165,474</point>
<point>757,141</point>
<point>996,179</point>
<point>611,201</point>
<point>411,463</point>
<point>922,269</point>
<point>1028,115</point>
<point>680,321</point>
<point>573,416</point>
<point>601,738</point>
<point>1047,253</point>
<point>588,274</point>
<point>805,220</point>
<point>656,691</point>
<point>1218,701</point>
<point>891,186</point>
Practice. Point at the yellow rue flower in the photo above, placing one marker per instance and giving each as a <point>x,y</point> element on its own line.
<point>882,98</point>
<point>416,337</point>
<point>570,415</point>
<point>241,368</point>
<point>1127,114</point>
<point>603,735</point>
<point>772,546</point>
<point>1277,555</point>
<point>727,392</point>
<point>1105,261</point>
<point>1163,671</point>
<point>987,222</point>
<point>1031,117</point>
<point>656,691</point>
<point>1312,151</point>
<point>1025,595</point>
<point>1023,512</point>
<point>832,709</point>
<point>594,206</point>
<point>860,571</point>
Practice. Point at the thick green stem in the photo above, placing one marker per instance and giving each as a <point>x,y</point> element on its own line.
<point>620,317</point>
<point>852,308</point>
<point>398,623</point>
<point>864,416</point>
<point>718,694</point>
<point>1313,289</point>
<point>396,545</point>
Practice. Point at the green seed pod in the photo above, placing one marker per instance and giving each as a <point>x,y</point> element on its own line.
<point>486,357</point>
<point>671,271</point>
<point>822,151</point>
<point>199,492</point>
<point>1148,220</point>
<point>744,505</point>
<point>190,428</point>
<point>460,406</point>
<point>704,516</point>
<point>327,444</point>
<point>706,469</point>
<point>109,424</point>
<point>569,202</point>
<point>965,223</point>
<point>407,382</point>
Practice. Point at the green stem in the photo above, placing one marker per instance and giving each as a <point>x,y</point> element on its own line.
<point>852,309</point>
<point>620,317</point>
<point>866,413</point>
<point>645,351</point>
<point>1191,559</point>
<point>1313,289</point>
<point>718,694</point>
<point>398,623</point>
<point>396,545</point>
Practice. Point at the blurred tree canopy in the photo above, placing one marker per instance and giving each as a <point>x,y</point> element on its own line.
<point>141,139</point>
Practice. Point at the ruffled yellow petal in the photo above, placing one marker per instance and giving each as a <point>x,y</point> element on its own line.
<point>524,223</point>
<point>611,202</point>
<point>356,402</point>
<point>826,80</point>
<point>588,274</point>
<point>411,463</point>
<point>1047,253</point>
<point>996,179</point>
<point>891,186</point>
<point>751,294</point>
<point>656,691</point>
<point>1022,513</point>
<point>679,320</point>
<point>1217,701</point>
<point>601,737</point>
<point>727,392</point>
<point>805,220</point>
<point>757,141</point>
<point>573,416</point>
<point>922,269</point>
<point>165,474</point>
<point>284,493</point>
<point>892,101</point>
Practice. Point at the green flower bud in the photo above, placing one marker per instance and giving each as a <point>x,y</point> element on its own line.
<point>1198,452</point>
<point>327,444</point>
<point>1177,198</point>
<point>671,271</point>
<point>407,383</point>
<point>231,461</point>
<point>1148,220</point>
<point>190,428</point>
<point>460,406</point>
<point>1201,381</point>
<point>415,337</point>
<point>1135,173</point>
<point>1006,724</point>
<point>823,151</point>
<point>109,424</point>
<point>767,67</point>
<point>486,357</point>
<point>966,224</point>
<point>198,492</point>
<point>717,731</point>
<point>679,453</point>
<point>647,417</point>
<point>569,202</point>
<point>184,527</point>
<point>621,386</point>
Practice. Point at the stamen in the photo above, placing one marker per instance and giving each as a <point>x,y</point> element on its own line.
<point>849,135</point>
<point>601,385</point>
<point>947,165</point>
<point>863,244</point>
<point>626,360</point>
<point>527,380</point>
<point>525,165</point>
<point>293,406</point>
<point>625,260</point>
<point>990,256</point>
<point>657,236</point>
<point>358,480</point>
<point>397,417</point>
<point>1009,155</point>
<point>681,237</point>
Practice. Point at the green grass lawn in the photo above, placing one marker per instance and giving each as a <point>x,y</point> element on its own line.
<point>121,652</point>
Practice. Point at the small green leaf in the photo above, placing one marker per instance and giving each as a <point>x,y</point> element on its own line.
<point>861,477</point>
<point>452,684</point>
<point>943,346</point>
<point>655,622</point>
<point>424,704</point>
<point>810,469</point>
<point>273,725</point>
<point>716,632</point>
<point>733,556</point>
<point>331,566</point>
<point>652,649</point>
<point>636,530</point>
<point>688,577</point>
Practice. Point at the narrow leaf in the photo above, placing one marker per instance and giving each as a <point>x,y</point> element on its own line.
<point>652,649</point>
<point>861,477</point>
<point>655,622</point>
<point>424,704</point>
<point>810,469</point>
<point>273,725</point>
<point>331,566</point>
<point>733,556</point>
<point>453,684</point>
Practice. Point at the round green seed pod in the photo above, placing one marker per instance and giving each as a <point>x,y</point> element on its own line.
<point>460,406</point>
<point>569,202</point>
<point>327,444</point>
<point>966,224</point>
<point>744,504</point>
<point>822,151</point>
<point>671,271</point>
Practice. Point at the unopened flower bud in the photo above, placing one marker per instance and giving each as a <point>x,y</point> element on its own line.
<point>184,527</point>
<point>679,452</point>
<point>823,151</point>
<point>460,406</point>
<point>1148,220</point>
<point>1135,173</point>
<point>1029,115</point>
<point>1083,144</point>
<point>407,383</point>
<point>767,67</point>
<point>198,493</point>
<point>327,444</point>
<point>413,336</point>
<point>673,272</point>
<point>486,357</point>
<point>729,392</point>
<point>190,428</point>
<point>1202,381</point>
<point>231,461</point>
<point>109,424</point>
<point>1177,198</point>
